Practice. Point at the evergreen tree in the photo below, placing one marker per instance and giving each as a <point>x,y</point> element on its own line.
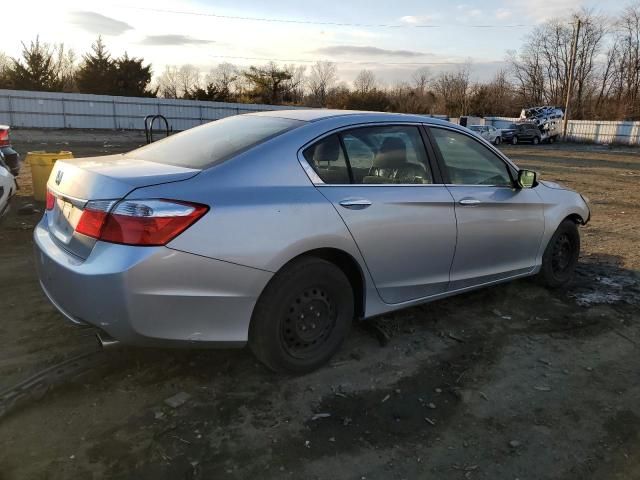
<point>132,77</point>
<point>98,72</point>
<point>36,70</point>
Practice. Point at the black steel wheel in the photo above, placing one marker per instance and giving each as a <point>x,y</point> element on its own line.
<point>302,317</point>
<point>309,322</point>
<point>561,256</point>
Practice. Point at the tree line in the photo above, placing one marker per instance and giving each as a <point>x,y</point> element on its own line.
<point>606,76</point>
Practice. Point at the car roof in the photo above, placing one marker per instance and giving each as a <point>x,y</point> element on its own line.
<point>319,114</point>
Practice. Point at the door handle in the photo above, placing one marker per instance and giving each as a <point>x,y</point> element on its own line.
<point>470,202</point>
<point>355,203</point>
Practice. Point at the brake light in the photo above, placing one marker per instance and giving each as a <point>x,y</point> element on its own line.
<point>4,138</point>
<point>51,200</point>
<point>138,222</point>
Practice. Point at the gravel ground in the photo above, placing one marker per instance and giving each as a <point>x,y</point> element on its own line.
<point>508,382</point>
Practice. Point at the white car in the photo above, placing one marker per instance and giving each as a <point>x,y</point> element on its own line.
<point>7,187</point>
<point>488,132</point>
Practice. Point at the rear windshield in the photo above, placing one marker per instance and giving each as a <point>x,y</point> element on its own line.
<point>215,142</point>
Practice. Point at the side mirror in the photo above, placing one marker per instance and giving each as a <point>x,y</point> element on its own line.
<point>527,179</point>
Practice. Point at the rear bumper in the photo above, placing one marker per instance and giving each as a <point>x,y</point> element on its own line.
<point>152,296</point>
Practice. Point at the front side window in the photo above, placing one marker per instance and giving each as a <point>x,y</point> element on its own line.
<point>468,162</point>
<point>327,159</point>
<point>387,155</point>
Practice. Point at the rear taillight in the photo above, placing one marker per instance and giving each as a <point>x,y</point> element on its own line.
<point>93,217</point>
<point>4,138</point>
<point>51,200</point>
<point>138,222</point>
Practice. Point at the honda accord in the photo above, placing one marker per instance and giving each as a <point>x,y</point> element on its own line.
<point>278,229</point>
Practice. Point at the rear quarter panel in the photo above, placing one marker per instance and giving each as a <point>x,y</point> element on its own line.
<point>264,210</point>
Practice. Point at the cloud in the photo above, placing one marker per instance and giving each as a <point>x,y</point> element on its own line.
<point>342,50</point>
<point>541,11</point>
<point>467,12</point>
<point>96,23</point>
<point>418,19</point>
<point>168,40</point>
<point>503,14</point>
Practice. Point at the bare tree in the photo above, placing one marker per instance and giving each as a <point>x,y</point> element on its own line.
<point>628,28</point>
<point>453,89</point>
<point>296,84</point>
<point>66,63</point>
<point>168,82</point>
<point>421,80</point>
<point>321,79</point>
<point>5,65</point>
<point>224,77</point>
<point>541,68</point>
<point>365,82</point>
<point>189,80</point>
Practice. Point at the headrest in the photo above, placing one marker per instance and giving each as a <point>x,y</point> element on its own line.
<point>327,151</point>
<point>392,154</point>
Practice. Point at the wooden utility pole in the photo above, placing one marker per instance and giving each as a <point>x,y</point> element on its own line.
<point>572,64</point>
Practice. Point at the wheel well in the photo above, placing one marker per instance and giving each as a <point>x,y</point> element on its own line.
<point>349,267</point>
<point>574,217</point>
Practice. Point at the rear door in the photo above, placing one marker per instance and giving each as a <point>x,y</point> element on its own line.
<point>380,181</point>
<point>500,227</point>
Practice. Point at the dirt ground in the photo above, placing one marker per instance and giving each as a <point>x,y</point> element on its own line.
<point>510,382</point>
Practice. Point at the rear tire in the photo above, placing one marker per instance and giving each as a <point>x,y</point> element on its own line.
<point>561,256</point>
<point>302,317</point>
<point>535,140</point>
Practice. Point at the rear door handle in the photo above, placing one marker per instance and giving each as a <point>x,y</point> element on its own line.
<point>470,201</point>
<point>355,203</point>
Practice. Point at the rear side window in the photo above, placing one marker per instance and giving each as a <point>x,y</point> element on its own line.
<point>215,142</point>
<point>387,155</point>
<point>328,160</point>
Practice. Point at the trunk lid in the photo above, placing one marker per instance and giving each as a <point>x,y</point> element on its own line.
<point>75,182</point>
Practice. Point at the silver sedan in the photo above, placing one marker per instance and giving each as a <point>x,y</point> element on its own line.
<point>279,229</point>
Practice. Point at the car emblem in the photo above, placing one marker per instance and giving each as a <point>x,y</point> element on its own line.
<point>59,177</point>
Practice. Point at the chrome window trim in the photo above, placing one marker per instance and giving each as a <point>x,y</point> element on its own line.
<point>318,182</point>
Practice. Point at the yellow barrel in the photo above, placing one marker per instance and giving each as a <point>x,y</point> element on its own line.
<point>41,165</point>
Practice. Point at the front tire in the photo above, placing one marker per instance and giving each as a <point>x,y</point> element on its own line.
<point>302,317</point>
<point>514,141</point>
<point>497,141</point>
<point>561,256</point>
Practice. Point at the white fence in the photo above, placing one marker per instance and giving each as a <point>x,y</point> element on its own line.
<point>596,131</point>
<point>20,108</point>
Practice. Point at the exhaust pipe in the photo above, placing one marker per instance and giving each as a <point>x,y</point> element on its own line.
<point>106,341</point>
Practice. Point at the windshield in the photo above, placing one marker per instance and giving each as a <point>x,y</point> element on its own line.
<point>214,142</point>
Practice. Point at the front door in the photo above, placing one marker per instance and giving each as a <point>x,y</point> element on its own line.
<point>380,181</point>
<point>500,226</point>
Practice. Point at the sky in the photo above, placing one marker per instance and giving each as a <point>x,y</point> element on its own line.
<point>392,38</point>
